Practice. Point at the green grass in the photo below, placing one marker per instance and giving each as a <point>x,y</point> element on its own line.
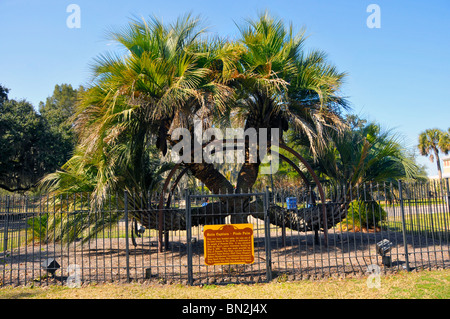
<point>414,285</point>
<point>429,224</point>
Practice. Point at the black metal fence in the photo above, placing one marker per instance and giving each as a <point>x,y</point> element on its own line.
<point>64,240</point>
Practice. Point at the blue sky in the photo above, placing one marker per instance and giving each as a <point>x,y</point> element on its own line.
<point>398,75</point>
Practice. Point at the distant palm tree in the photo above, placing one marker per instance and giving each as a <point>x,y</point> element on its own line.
<point>431,143</point>
<point>444,142</point>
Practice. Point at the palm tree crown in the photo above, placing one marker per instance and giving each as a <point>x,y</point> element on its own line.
<point>431,143</point>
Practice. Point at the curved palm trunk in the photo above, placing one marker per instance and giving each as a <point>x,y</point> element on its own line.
<point>247,177</point>
<point>302,220</point>
<point>218,184</point>
<point>211,177</point>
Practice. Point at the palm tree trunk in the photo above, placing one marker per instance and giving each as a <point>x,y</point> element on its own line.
<point>302,220</point>
<point>438,163</point>
<point>211,178</point>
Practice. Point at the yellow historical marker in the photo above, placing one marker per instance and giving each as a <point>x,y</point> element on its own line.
<point>229,244</point>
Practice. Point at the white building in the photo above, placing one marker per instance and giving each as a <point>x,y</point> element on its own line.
<point>445,168</point>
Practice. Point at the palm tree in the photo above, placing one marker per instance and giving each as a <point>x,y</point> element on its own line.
<point>167,77</point>
<point>172,74</point>
<point>281,86</point>
<point>444,142</point>
<point>365,154</point>
<point>431,143</point>
<point>362,154</point>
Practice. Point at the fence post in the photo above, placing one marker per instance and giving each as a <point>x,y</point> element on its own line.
<point>267,237</point>
<point>5,235</point>
<point>448,195</point>
<point>189,237</point>
<point>127,245</point>
<point>402,209</point>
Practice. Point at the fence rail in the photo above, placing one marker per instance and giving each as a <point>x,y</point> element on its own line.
<point>64,240</point>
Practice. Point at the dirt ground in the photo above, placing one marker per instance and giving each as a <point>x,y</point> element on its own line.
<point>295,256</point>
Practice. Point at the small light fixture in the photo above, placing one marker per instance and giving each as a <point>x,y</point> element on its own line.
<point>141,229</point>
<point>138,229</point>
<point>51,266</point>
<point>383,247</point>
<point>148,273</point>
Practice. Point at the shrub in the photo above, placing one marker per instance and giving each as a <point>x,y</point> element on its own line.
<point>37,228</point>
<point>363,215</point>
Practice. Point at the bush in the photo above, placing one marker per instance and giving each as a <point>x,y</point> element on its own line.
<point>37,228</point>
<point>363,216</point>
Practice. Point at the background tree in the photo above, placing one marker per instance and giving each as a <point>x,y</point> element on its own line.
<point>3,93</point>
<point>22,146</point>
<point>56,112</point>
<point>34,144</point>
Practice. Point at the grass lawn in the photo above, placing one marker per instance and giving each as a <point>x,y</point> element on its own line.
<point>416,285</point>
